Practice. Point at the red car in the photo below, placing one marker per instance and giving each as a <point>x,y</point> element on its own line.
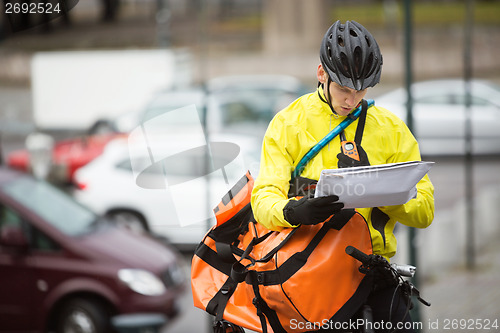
<point>64,269</point>
<point>67,155</point>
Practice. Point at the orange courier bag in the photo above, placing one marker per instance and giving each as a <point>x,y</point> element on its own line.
<point>296,280</point>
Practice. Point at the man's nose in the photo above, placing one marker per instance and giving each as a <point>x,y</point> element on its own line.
<point>351,98</point>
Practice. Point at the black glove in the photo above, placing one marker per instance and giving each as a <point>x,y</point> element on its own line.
<point>309,210</point>
<point>347,162</point>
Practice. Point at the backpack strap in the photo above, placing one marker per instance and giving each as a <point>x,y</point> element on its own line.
<point>359,129</point>
<point>361,123</point>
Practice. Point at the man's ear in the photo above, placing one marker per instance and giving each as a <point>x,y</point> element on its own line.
<point>321,74</point>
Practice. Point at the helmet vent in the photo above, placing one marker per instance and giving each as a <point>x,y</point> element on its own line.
<point>345,64</point>
<point>369,65</point>
<point>368,41</point>
<point>353,33</point>
<point>340,41</point>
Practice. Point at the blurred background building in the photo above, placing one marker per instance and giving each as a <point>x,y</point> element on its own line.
<point>266,36</point>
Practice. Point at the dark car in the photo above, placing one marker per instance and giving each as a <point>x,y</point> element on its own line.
<point>64,269</point>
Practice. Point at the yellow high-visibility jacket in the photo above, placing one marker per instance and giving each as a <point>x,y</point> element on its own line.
<point>297,128</point>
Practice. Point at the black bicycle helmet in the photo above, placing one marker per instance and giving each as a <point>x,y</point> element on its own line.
<point>351,56</point>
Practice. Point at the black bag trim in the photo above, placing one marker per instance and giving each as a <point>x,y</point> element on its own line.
<point>264,311</point>
<point>229,231</point>
<point>269,255</point>
<point>240,184</point>
<point>218,303</point>
<point>359,297</point>
<point>293,264</point>
<point>211,257</point>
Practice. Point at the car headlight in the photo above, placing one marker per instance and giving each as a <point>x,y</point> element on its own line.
<point>142,281</point>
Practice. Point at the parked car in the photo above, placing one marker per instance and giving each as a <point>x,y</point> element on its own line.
<point>172,197</point>
<point>64,269</point>
<point>233,104</point>
<point>67,155</point>
<point>242,104</point>
<point>439,114</point>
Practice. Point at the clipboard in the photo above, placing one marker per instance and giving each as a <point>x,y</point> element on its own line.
<point>373,186</point>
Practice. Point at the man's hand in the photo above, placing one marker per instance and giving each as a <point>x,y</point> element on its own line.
<point>348,162</point>
<point>309,210</point>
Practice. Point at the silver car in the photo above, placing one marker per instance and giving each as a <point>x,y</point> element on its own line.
<point>440,113</point>
<point>241,104</point>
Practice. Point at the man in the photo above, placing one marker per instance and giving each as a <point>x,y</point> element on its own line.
<point>351,62</point>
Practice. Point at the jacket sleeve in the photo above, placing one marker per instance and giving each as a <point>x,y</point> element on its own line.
<point>269,195</point>
<point>419,211</point>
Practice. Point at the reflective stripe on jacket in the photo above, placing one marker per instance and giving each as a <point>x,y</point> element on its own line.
<point>294,130</point>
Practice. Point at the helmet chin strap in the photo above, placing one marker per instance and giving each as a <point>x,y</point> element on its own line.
<point>327,95</point>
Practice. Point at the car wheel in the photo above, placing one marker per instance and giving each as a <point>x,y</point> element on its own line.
<point>129,220</point>
<point>83,316</point>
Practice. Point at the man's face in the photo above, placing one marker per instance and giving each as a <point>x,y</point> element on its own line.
<point>343,99</point>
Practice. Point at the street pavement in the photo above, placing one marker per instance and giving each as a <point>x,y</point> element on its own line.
<point>465,300</point>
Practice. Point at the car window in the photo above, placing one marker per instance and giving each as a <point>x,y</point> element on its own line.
<point>42,242</point>
<point>9,218</point>
<point>237,112</point>
<point>257,105</point>
<point>51,204</point>
<point>38,240</point>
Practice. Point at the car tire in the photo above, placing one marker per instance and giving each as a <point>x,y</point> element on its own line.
<point>82,315</point>
<point>128,219</point>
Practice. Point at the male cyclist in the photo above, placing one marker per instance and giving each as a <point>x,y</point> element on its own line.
<point>350,63</point>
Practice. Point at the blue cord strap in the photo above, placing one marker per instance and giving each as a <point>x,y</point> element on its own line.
<point>323,142</point>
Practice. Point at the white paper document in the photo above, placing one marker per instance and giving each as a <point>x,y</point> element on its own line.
<point>373,186</point>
